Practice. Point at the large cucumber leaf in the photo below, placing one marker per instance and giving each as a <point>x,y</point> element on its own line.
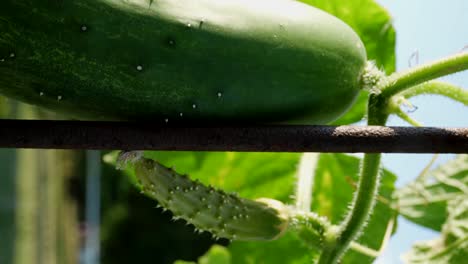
<point>424,201</point>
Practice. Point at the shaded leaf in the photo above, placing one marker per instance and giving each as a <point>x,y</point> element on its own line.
<point>424,201</point>
<point>4,107</point>
<point>184,262</point>
<point>371,22</point>
<point>215,255</point>
<point>333,190</point>
<point>356,113</point>
<point>287,249</point>
<point>452,246</point>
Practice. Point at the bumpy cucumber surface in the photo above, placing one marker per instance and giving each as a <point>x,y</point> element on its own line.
<point>208,209</point>
<point>180,60</point>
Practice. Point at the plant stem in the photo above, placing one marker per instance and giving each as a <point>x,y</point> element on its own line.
<point>310,227</point>
<point>398,82</point>
<point>305,177</point>
<point>362,206</point>
<point>441,88</point>
<point>408,118</point>
<point>364,250</point>
<point>367,189</point>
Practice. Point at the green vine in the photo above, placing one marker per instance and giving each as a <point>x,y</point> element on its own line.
<point>400,81</point>
<point>439,88</point>
<point>394,108</point>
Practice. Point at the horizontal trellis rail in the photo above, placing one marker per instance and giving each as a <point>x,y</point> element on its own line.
<point>53,134</point>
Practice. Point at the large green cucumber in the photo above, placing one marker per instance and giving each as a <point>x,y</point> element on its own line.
<point>180,60</point>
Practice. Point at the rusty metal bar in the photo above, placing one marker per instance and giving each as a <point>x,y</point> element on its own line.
<point>49,134</point>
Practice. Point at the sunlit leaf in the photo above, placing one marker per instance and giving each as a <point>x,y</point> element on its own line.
<point>452,246</point>
<point>288,249</point>
<point>424,201</point>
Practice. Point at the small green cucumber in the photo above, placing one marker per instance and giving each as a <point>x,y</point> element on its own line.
<point>209,209</point>
<point>180,61</point>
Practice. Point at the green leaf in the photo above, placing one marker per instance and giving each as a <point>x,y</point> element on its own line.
<point>184,262</point>
<point>357,111</point>
<point>333,190</point>
<point>216,255</point>
<point>374,26</point>
<point>288,249</point>
<point>452,246</point>
<point>371,22</point>
<point>424,201</point>
<point>3,107</point>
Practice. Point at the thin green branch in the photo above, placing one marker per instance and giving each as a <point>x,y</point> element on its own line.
<point>336,243</point>
<point>362,207</point>
<point>423,174</point>
<point>394,107</point>
<point>440,88</point>
<point>364,250</point>
<point>372,252</point>
<point>404,116</point>
<point>400,81</point>
<point>305,177</point>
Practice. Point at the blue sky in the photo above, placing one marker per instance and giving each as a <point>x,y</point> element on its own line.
<point>435,29</point>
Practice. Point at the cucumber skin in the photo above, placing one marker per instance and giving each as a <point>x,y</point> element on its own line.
<point>270,60</point>
<point>209,209</point>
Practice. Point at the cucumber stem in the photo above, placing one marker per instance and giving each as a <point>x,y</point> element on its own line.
<point>440,88</point>
<point>336,244</point>
<point>404,116</point>
<point>400,81</point>
<point>363,205</point>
